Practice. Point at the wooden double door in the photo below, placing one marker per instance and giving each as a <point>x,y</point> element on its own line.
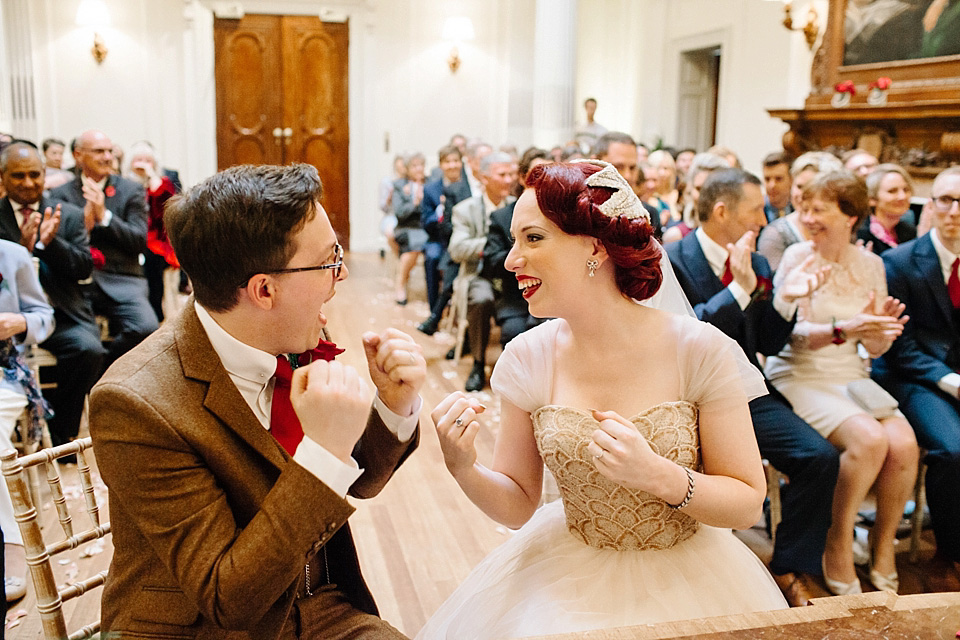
<point>281,84</point>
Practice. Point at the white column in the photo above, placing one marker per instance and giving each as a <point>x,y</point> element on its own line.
<point>554,66</point>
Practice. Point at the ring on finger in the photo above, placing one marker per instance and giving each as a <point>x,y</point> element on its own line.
<point>458,422</point>
<point>602,451</point>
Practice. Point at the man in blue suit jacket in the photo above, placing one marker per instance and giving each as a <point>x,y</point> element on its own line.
<point>729,286</point>
<point>920,369</point>
<point>116,218</point>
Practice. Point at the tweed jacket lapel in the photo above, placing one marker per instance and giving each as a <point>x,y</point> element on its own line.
<point>223,399</point>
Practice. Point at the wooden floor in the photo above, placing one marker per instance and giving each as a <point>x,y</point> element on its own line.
<point>420,537</point>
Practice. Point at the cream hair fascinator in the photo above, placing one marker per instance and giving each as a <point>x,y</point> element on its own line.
<point>624,203</point>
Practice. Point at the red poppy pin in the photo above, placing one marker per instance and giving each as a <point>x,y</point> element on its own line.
<point>764,289</point>
<point>98,259</point>
<point>110,191</point>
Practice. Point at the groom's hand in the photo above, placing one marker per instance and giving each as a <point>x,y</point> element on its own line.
<point>397,368</point>
<point>333,403</point>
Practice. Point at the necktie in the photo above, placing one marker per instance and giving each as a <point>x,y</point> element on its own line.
<point>25,214</point>
<point>953,285</point>
<point>727,276</point>
<point>284,423</point>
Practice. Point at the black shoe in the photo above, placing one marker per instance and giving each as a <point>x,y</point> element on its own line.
<point>477,378</point>
<point>429,326</point>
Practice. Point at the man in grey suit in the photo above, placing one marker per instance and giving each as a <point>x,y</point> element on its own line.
<point>56,236</point>
<point>115,216</point>
<point>471,218</point>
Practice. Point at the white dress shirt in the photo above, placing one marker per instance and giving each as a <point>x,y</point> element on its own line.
<point>949,383</point>
<point>252,370</point>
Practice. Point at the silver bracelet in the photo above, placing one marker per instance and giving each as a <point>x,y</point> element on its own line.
<point>691,484</point>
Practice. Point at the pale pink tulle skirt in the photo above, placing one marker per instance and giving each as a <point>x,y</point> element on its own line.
<point>544,580</point>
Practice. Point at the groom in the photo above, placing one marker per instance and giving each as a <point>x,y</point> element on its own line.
<point>228,478</point>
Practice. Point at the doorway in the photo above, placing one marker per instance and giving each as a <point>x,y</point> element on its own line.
<point>699,93</point>
<point>281,93</point>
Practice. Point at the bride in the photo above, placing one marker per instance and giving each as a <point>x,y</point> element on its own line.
<point>642,532</point>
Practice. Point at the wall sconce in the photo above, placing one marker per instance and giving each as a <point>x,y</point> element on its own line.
<point>456,29</point>
<point>810,30</point>
<point>93,13</point>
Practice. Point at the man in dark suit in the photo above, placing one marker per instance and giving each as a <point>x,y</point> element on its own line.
<point>228,472</point>
<point>920,369</point>
<point>729,286</point>
<point>55,234</point>
<point>432,216</point>
<point>776,184</point>
<point>115,216</point>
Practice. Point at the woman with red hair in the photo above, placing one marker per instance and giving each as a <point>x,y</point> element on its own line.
<point>641,533</point>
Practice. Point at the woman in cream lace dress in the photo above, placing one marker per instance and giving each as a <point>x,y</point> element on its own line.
<point>641,416</point>
<point>816,368</point>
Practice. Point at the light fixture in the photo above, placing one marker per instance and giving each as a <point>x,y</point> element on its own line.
<point>456,29</point>
<point>93,13</point>
<point>810,30</point>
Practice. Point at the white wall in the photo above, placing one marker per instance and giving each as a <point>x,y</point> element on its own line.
<point>157,81</point>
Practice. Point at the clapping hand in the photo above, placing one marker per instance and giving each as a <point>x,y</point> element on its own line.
<point>95,208</point>
<point>28,230</point>
<point>397,368</point>
<point>457,427</point>
<point>741,261</point>
<point>878,325</point>
<point>49,225</point>
<point>802,281</point>
<point>332,403</point>
<point>623,455</point>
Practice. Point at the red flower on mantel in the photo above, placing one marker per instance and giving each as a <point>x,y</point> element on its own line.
<point>110,191</point>
<point>846,86</point>
<point>882,83</point>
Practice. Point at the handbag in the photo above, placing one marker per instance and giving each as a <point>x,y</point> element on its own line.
<point>872,397</point>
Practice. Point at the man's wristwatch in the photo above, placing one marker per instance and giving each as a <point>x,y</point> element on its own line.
<point>839,337</point>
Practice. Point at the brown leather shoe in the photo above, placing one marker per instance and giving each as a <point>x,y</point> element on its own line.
<point>793,588</point>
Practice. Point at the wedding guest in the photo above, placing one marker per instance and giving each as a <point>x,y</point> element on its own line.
<point>641,533</point>
<point>226,458</point>
<point>859,162</point>
<point>785,231</point>
<point>729,286</point>
<point>821,373</point>
<point>408,234</point>
<point>890,189</point>
<point>431,219</point>
<point>920,369</point>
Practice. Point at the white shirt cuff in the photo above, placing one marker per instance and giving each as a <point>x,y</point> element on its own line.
<point>950,384</point>
<point>401,426</point>
<point>739,294</point>
<point>329,469</point>
<point>786,309</point>
<point>107,217</point>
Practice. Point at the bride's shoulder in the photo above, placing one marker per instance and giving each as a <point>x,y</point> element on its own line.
<point>542,336</point>
<point>697,334</point>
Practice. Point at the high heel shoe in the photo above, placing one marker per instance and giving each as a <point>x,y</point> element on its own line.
<point>838,588</point>
<point>883,582</point>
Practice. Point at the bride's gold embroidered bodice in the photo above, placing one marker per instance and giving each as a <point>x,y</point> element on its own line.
<point>601,512</point>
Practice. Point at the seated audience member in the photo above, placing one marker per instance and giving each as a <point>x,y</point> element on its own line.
<point>53,158</point>
<point>55,234</point>
<point>25,319</point>
<point>785,231</point>
<point>510,308</point>
<point>727,154</point>
<point>227,469</point>
<point>385,197</point>
<point>471,219</point>
<point>683,160</point>
<point>859,162</point>
<point>115,216</point>
<point>145,170</point>
<point>431,217</point>
<point>920,369</point>
<point>700,169</point>
<point>666,189</point>
<point>409,235</point>
<point>822,374</point>
<point>728,285</point>
<point>620,150</point>
<point>890,189</point>
<point>776,185</point>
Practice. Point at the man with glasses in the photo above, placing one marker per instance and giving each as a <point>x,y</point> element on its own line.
<point>230,438</point>
<point>115,216</point>
<point>920,369</point>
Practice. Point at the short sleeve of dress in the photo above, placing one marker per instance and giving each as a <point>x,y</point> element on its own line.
<point>714,369</point>
<point>523,374</point>
<point>877,275</point>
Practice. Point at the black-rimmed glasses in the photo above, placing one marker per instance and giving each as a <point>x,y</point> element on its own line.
<point>336,265</point>
<point>943,203</point>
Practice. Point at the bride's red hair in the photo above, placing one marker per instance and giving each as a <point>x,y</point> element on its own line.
<point>567,201</point>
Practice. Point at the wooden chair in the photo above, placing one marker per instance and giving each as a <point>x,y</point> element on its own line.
<point>35,357</point>
<point>456,318</point>
<point>50,598</point>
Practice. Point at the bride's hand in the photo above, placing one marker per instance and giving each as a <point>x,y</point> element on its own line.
<point>457,426</point>
<point>623,455</point>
